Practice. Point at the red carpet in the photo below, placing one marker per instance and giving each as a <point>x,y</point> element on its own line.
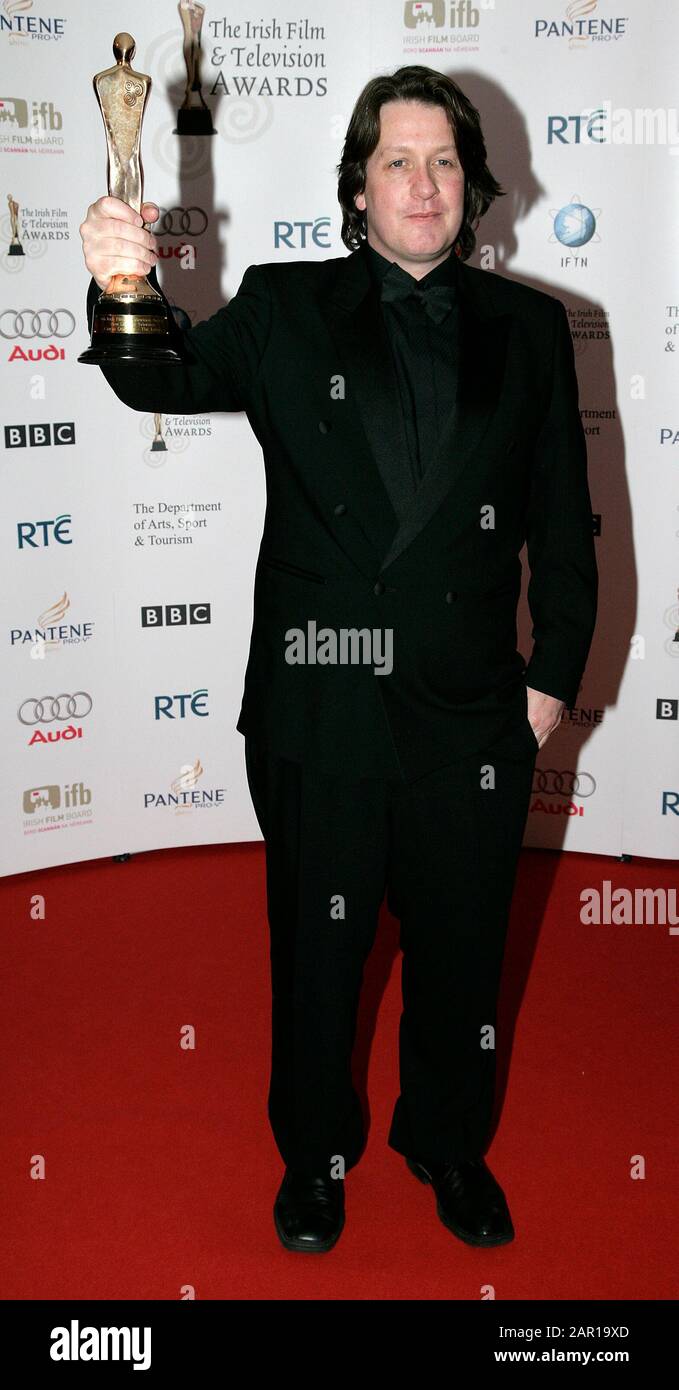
<point>160,1168</point>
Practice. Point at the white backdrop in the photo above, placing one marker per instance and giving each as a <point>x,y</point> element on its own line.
<point>575,100</point>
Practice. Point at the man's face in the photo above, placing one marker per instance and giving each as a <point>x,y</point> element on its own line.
<point>414,187</point>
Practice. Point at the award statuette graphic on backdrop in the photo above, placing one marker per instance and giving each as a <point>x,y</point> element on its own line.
<point>131,322</point>
<point>158,444</point>
<point>15,247</point>
<point>193,116</point>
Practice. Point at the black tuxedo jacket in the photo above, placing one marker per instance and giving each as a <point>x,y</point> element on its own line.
<point>302,348</point>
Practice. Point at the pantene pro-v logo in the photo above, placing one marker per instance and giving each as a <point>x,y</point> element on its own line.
<point>102,1344</point>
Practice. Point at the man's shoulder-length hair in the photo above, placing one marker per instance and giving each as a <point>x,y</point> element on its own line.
<point>415,83</point>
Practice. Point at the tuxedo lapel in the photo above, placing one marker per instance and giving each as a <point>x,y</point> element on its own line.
<point>482,345</point>
<point>354,321</point>
<point>353,317</point>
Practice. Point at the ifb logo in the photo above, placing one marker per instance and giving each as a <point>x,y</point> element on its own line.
<point>14,115</point>
<point>294,234</point>
<point>196,702</point>
<point>57,528</point>
<point>51,797</point>
<point>417,12</point>
<point>462,14</point>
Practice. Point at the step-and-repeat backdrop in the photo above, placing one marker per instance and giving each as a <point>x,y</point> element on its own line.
<point>129,540</point>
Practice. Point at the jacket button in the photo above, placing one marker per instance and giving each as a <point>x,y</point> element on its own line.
<point>379,587</point>
<point>323,426</point>
<point>451,596</point>
<point>340,509</point>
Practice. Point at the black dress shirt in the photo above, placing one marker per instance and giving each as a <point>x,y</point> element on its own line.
<point>425,357</point>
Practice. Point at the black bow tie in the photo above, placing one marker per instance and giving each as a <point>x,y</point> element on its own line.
<point>438,300</point>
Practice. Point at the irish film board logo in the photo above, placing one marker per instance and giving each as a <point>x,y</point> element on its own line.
<point>55,807</point>
<point>27,124</point>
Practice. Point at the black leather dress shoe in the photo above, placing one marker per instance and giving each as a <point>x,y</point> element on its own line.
<point>469,1200</point>
<point>309,1212</point>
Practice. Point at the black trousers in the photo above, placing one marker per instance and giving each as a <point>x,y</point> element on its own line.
<point>445,849</point>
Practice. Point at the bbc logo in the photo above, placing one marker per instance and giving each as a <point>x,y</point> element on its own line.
<point>174,614</point>
<point>37,436</point>
<point>666,709</point>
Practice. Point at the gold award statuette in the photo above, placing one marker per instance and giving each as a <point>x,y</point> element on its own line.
<point>131,322</point>
<point>193,116</point>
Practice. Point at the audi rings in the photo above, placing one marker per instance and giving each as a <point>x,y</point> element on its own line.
<point>181,222</point>
<point>553,783</point>
<point>57,709</point>
<point>36,323</point>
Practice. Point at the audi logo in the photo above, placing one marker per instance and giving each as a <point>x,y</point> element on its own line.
<point>36,323</point>
<point>554,783</point>
<point>60,707</point>
<point>182,222</point>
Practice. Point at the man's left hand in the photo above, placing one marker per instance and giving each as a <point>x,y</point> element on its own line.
<point>544,714</point>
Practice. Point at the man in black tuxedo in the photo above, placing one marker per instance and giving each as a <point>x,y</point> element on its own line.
<point>419,421</point>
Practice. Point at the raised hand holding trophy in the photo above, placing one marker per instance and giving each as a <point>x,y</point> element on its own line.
<point>131,321</point>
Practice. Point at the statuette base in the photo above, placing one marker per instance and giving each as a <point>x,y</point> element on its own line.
<point>130,327</point>
<point>194,120</point>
